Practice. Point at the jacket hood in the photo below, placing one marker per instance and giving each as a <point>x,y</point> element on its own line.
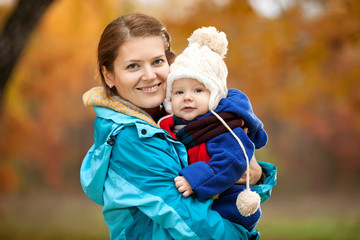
<point>97,97</point>
<point>96,162</point>
<point>243,108</point>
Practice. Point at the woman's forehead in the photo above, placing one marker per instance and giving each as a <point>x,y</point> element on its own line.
<point>140,48</point>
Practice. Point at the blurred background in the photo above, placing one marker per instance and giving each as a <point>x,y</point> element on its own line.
<point>298,61</point>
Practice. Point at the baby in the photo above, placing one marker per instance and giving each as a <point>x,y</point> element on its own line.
<point>217,126</point>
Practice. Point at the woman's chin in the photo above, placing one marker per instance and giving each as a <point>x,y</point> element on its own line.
<point>153,102</point>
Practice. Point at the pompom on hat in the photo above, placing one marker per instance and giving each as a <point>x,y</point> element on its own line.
<point>202,60</point>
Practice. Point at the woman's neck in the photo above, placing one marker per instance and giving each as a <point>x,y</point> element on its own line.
<point>156,113</point>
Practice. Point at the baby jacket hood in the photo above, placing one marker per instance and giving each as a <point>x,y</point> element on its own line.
<point>237,102</point>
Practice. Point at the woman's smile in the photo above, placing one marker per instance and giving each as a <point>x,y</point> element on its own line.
<point>151,89</point>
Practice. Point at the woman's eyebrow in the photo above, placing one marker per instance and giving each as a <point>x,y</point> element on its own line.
<point>137,60</point>
<point>159,56</point>
<point>132,61</point>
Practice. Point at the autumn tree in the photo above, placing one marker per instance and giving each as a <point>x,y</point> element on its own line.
<point>15,34</point>
<point>302,74</point>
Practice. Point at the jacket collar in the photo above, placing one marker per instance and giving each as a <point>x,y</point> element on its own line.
<point>97,97</point>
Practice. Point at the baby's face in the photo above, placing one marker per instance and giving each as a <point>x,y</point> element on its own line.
<point>189,98</point>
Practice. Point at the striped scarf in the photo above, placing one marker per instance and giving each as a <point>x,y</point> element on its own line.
<point>204,129</point>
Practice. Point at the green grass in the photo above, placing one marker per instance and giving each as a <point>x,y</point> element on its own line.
<point>51,217</point>
<point>310,229</point>
<point>76,217</point>
<point>311,217</point>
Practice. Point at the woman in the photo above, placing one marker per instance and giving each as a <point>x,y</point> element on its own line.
<point>131,166</point>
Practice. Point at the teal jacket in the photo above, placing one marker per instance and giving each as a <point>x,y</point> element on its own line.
<point>130,171</point>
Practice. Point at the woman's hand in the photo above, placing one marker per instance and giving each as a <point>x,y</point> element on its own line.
<point>255,173</point>
<point>255,170</point>
<point>183,186</point>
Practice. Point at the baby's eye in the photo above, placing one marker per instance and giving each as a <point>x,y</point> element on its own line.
<point>198,90</point>
<point>179,92</point>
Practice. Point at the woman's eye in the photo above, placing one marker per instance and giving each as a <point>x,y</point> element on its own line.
<point>132,66</point>
<point>158,61</point>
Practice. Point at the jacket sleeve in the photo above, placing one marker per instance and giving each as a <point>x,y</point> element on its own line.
<point>265,188</point>
<point>141,172</point>
<point>225,168</point>
<point>256,131</point>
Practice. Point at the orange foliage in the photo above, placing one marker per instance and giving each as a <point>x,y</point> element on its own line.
<point>297,71</point>
<point>300,72</point>
<point>43,103</point>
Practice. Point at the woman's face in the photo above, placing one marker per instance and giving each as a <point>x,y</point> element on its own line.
<point>140,72</point>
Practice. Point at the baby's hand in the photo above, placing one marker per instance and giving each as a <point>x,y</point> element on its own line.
<point>183,186</point>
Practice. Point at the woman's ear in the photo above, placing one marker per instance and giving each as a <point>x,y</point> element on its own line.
<point>108,76</point>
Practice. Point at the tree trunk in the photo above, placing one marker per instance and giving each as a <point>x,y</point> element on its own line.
<point>16,32</point>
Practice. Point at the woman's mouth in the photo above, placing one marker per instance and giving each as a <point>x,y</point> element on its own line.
<point>150,89</point>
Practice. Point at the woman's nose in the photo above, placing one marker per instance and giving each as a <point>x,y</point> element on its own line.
<point>149,73</point>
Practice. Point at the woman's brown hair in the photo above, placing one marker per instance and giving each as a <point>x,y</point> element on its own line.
<point>123,28</point>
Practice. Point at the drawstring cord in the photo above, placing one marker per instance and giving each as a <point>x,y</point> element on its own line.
<point>241,145</point>
<point>234,135</point>
<point>247,201</point>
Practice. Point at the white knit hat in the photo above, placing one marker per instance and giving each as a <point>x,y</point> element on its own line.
<point>202,60</point>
